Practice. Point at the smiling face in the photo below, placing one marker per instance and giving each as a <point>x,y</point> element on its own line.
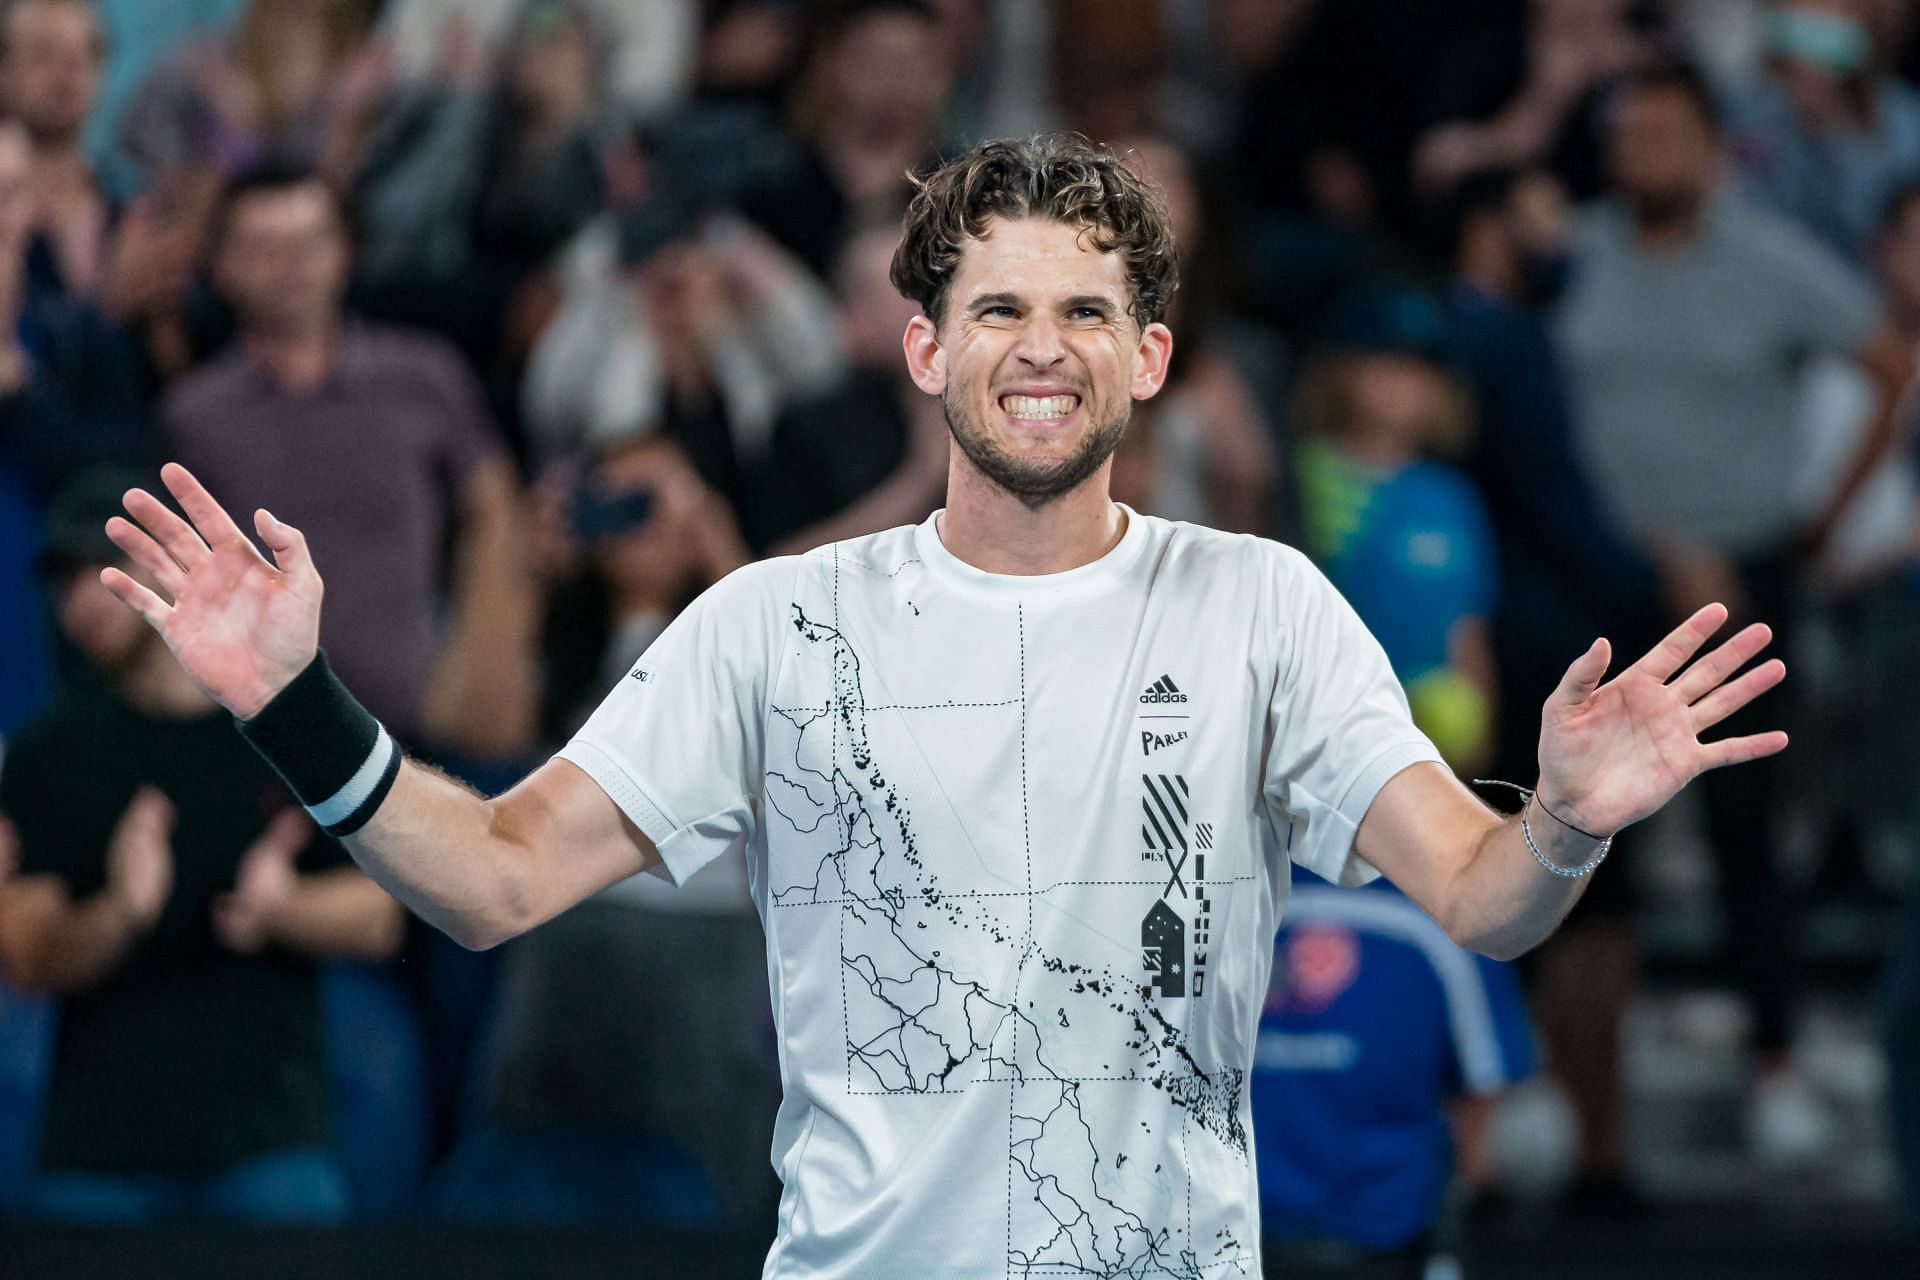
<point>1036,357</point>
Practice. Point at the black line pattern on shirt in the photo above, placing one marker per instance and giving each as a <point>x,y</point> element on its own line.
<point>916,1026</point>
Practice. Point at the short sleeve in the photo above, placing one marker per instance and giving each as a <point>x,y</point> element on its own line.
<point>1338,726</point>
<point>679,742</point>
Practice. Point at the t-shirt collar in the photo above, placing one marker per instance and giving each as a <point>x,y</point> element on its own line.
<point>1095,575</point>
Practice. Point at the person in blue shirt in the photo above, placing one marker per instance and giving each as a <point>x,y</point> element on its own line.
<point>1380,1040</point>
<point>1402,535</point>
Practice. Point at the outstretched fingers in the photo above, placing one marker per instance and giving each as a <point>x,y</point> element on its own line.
<point>1730,697</point>
<point>1704,676</point>
<point>165,528</point>
<point>138,598</point>
<point>1754,746</point>
<point>1682,643</point>
<point>148,554</point>
<point>209,517</point>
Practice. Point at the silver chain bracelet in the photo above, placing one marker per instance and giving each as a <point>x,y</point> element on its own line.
<point>1526,833</point>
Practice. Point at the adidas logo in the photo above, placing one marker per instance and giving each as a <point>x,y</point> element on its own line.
<point>1162,690</point>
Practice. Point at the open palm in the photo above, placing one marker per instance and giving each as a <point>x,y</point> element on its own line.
<point>242,626</point>
<point>1613,753</point>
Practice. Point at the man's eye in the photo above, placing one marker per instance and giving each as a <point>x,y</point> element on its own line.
<point>997,311</point>
<point>1088,313</point>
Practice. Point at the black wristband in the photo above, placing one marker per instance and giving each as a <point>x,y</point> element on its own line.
<point>337,759</point>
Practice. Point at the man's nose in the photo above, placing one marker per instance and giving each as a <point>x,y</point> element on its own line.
<point>1040,346</point>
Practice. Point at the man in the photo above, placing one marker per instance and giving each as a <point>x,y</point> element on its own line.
<point>176,904</point>
<point>1383,1049</point>
<point>379,437</point>
<point>1016,785</point>
<point>1567,573</point>
<point>51,55</point>
<point>872,452</point>
<point>1687,330</point>
<point>69,400</point>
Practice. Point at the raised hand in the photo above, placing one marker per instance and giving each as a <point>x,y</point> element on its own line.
<point>1613,753</point>
<point>140,857</point>
<point>243,919</point>
<point>243,627</point>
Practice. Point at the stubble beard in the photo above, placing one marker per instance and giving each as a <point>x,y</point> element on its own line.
<point>1035,484</point>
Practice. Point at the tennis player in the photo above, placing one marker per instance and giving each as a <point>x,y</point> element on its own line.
<point>1016,787</point>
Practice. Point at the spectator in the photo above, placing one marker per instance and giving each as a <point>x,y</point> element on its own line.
<point>1203,449</point>
<point>1687,330</point>
<point>296,78</point>
<point>176,901</point>
<point>493,169</point>
<point>625,546</point>
<point>1402,536</point>
<point>571,1120</point>
<point>1567,574</point>
<point>134,261</point>
<point>648,63</point>
<point>1383,1048</point>
<point>378,437</point>
<point>1507,97</point>
<point>141,34</point>
<point>51,52</point>
<point>870,101</point>
<point>872,452</point>
<point>1827,135</point>
<point>69,400</point>
<point>700,328</point>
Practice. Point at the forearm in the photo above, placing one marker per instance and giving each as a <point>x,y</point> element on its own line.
<point>339,913</point>
<point>434,844</point>
<point>1503,903</point>
<point>52,944</point>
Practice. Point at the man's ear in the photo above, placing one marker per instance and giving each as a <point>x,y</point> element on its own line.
<point>926,358</point>
<point>1151,361</point>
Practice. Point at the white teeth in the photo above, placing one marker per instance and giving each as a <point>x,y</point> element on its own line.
<point>1040,407</point>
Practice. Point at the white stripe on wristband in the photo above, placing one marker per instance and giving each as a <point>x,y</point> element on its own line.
<point>343,803</point>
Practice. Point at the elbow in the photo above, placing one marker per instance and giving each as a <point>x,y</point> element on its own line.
<point>1494,944</point>
<point>510,905</point>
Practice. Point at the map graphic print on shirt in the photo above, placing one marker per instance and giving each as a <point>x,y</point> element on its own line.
<point>1080,1201</point>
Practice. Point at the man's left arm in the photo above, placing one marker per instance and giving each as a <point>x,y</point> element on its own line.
<point>1611,754</point>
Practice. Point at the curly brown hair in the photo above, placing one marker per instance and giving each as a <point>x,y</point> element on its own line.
<point>1061,176</point>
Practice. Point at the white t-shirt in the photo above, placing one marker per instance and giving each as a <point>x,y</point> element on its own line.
<point>1019,847</point>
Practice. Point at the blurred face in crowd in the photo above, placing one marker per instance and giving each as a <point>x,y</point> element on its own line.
<point>888,68</point>
<point>1663,152</point>
<point>50,67</point>
<point>551,71</point>
<point>1167,167</point>
<point>872,313</point>
<point>16,191</point>
<point>1036,357</point>
<point>107,633</point>
<point>283,260</point>
<point>1385,406</point>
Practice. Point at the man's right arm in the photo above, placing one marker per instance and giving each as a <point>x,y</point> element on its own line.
<point>247,629</point>
<point>483,871</point>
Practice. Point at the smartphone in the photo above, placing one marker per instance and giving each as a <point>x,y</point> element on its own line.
<point>598,514</point>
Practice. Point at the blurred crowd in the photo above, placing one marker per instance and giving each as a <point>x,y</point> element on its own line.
<point>1530,320</point>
